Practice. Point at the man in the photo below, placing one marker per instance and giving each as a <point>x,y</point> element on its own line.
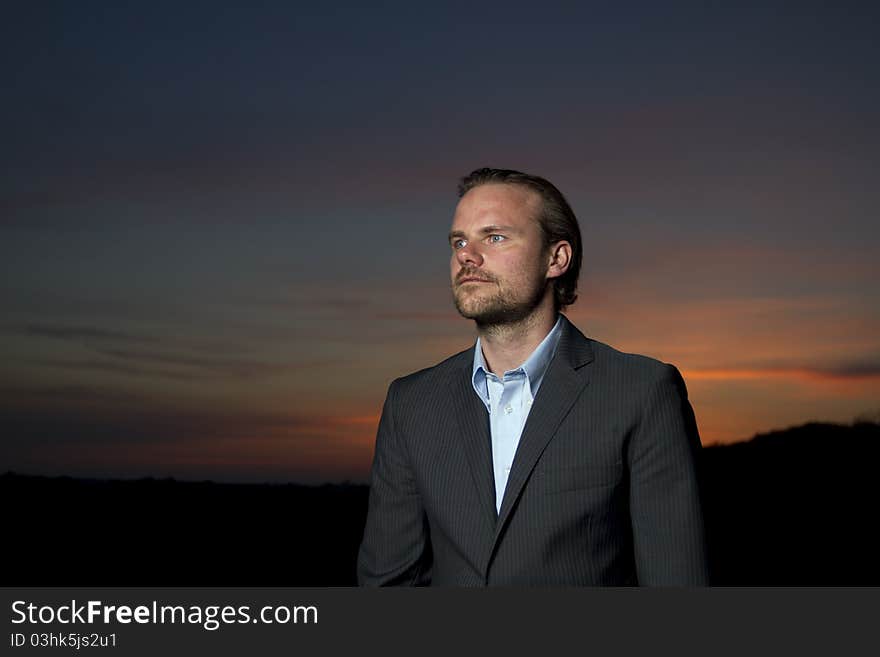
<point>538,456</point>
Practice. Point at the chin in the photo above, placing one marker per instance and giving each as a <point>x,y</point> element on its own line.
<point>490,315</point>
<point>468,309</point>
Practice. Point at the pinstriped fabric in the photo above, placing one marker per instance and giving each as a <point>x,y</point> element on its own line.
<point>603,488</point>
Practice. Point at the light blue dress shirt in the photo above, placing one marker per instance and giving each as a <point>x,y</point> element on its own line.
<point>509,400</point>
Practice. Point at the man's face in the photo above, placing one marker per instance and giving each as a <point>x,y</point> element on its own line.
<point>499,263</point>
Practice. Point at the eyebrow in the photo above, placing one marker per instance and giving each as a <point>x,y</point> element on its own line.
<point>485,230</point>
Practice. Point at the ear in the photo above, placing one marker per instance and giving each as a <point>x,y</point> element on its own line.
<point>559,259</point>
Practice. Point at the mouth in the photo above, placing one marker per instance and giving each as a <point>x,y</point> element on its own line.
<point>473,279</point>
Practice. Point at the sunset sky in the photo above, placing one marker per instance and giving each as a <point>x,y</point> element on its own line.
<point>223,228</point>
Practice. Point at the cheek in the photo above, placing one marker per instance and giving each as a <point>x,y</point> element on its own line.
<point>523,272</point>
<point>516,267</point>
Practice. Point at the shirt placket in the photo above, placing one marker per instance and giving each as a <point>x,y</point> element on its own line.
<point>508,420</point>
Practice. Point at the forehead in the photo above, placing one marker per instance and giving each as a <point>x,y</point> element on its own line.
<point>499,204</point>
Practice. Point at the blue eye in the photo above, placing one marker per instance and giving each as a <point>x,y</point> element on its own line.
<point>457,244</point>
<point>496,238</point>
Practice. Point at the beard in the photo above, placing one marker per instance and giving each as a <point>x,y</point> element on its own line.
<point>502,307</point>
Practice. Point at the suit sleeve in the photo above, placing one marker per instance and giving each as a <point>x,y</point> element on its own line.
<point>395,546</point>
<point>665,506</point>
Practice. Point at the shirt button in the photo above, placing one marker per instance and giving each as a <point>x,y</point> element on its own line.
<point>508,409</point>
<point>528,402</point>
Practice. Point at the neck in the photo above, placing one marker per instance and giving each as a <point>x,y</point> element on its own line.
<point>507,346</point>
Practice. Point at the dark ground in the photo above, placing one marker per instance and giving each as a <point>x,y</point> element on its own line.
<point>795,507</point>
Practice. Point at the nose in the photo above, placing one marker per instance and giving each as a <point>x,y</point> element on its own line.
<point>469,256</point>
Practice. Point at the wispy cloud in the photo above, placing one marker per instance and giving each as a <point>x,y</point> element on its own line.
<point>866,369</point>
<point>849,371</point>
<point>145,355</point>
<point>81,366</point>
<point>89,333</point>
<point>40,396</point>
<point>231,367</point>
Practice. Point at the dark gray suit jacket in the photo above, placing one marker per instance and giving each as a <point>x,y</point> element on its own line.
<point>603,489</point>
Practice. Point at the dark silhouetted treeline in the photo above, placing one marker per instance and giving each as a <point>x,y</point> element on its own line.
<point>794,507</point>
<point>63,531</point>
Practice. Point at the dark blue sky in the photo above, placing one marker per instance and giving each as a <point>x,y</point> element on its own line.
<point>223,226</point>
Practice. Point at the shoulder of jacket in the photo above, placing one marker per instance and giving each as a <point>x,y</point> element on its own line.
<point>639,366</point>
<point>438,374</point>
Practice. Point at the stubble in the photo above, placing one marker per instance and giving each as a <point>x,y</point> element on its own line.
<point>504,307</point>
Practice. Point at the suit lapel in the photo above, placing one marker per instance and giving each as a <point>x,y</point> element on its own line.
<point>473,435</point>
<point>562,385</point>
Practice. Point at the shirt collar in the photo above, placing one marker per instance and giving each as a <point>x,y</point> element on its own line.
<point>535,366</point>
